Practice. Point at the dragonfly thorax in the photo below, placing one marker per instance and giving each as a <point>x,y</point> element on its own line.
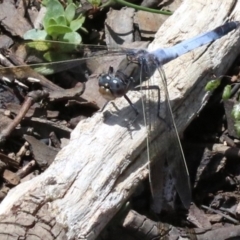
<point>112,87</point>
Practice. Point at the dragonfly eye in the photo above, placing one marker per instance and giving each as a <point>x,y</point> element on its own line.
<point>111,87</point>
<point>106,93</point>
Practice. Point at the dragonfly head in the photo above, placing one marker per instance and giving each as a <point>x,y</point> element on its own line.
<point>111,87</point>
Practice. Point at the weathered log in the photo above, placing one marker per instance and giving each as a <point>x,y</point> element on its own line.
<point>144,228</point>
<point>97,172</point>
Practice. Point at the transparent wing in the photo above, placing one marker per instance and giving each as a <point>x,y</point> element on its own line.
<point>175,156</point>
<point>47,57</point>
<point>171,148</point>
<point>151,121</point>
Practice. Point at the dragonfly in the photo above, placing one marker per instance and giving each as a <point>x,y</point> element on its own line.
<point>139,65</point>
<point>117,85</point>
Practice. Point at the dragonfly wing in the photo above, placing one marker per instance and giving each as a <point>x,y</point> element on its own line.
<point>161,183</point>
<point>47,57</point>
<point>175,156</point>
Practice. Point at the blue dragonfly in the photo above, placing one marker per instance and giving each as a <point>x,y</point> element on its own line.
<point>138,66</point>
<point>118,84</point>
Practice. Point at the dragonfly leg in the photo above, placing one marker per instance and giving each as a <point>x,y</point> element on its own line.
<point>159,107</point>
<point>104,106</point>
<point>131,104</point>
<point>157,88</point>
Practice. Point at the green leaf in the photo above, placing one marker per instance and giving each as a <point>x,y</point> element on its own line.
<point>212,85</point>
<point>72,37</point>
<point>236,112</point>
<point>35,34</point>
<point>56,30</point>
<point>51,22</point>
<point>227,92</point>
<point>53,46</point>
<point>41,46</point>
<point>45,2</point>
<point>95,2</point>
<point>84,30</point>
<point>54,9</point>
<point>55,57</point>
<point>70,12</point>
<point>61,20</point>
<point>77,23</point>
<point>44,70</point>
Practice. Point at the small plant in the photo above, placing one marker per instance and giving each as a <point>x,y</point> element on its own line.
<point>227,91</point>
<point>236,117</point>
<point>213,84</point>
<point>59,24</point>
<point>95,3</point>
